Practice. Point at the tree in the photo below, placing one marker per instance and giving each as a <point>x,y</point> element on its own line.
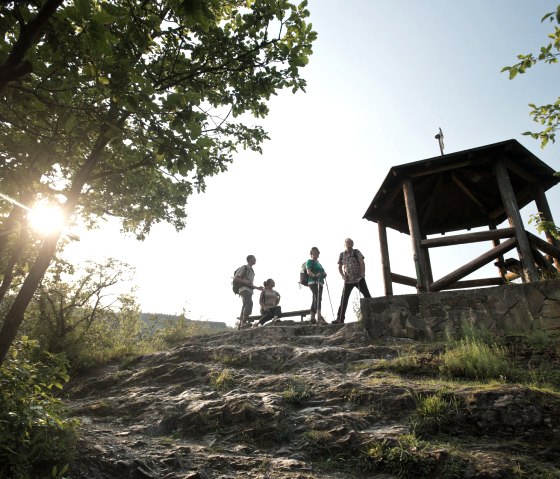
<point>546,115</point>
<point>69,312</point>
<point>25,24</point>
<point>144,102</point>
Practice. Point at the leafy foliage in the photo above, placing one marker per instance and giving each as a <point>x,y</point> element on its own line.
<point>546,115</point>
<point>34,435</point>
<point>79,313</point>
<point>144,102</point>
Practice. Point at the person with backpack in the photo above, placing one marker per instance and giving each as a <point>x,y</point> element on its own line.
<point>243,279</point>
<point>316,278</point>
<point>352,268</point>
<point>269,300</point>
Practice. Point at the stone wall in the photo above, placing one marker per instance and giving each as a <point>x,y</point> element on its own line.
<point>501,309</point>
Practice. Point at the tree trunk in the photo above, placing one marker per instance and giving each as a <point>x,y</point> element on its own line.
<point>15,66</point>
<point>14,318</point>
<point>15,315</point>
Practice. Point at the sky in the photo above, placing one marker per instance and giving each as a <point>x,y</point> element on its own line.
<point>385,75</point>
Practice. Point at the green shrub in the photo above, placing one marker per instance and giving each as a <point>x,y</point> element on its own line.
<point>296,393</point>
<point>405,457</point>
<point>222,380</point>
<point>472,358</point>
<point>433,412</point>
<point>34,435</point>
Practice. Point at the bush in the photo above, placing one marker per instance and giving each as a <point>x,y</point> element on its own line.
<point>472,358</point>
<point>434,411</point>
<point>35,438</point>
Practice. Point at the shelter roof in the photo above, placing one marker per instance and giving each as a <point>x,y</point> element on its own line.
<point>459,191</point>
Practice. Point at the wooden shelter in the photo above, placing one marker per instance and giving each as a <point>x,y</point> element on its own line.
<point>480,187</point>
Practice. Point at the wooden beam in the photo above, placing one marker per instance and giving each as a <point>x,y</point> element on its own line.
<point>427,210</point>
<point>441,169</point>
<point>520,171</point>
<point>544,246</point>
<point>401,279</point>
<point>477,283</point>
<point>415,235</point>
<point>390,198</point>
<point>496,242</point>
<point>468,192</point>
<point>468,238</point>
<point>473,265</point>
<point>385,263</point>
<point>546,215</point>
<point>514,217</point>
<point>500,209</point>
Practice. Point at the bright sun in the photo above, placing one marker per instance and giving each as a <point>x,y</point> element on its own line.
<point>45,218</point>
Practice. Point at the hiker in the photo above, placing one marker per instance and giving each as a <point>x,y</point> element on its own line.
<point>245,276</point>
<point>269,303</point>
<point>317,277</point>
<point>352,269</point>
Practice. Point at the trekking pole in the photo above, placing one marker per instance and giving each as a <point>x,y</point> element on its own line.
<point>329,293</point>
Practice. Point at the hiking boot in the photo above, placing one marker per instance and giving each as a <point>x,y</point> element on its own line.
<point>337,321</point>
<point>321,320</point>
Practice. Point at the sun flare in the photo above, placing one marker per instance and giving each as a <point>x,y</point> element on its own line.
<point>46,218</point>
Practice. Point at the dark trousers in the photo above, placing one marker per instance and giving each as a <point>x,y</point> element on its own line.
<point>247,307</point>
<point>270,313</point>
<point>346,291</point>
<point>317,291</point>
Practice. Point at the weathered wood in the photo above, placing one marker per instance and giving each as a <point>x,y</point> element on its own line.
<point>541,260</point>
<point>301,313</point>
<point>406,280</point>
<point>544,246</point>
<point>385,262</point>
<point>514,217</point>
<point>473,265</point>
<point>546,215</point>
<point>415,235</point>
<point>496,212</point>
<point>477,283</point>
<point>428,263</point>
<point>441,169</point>
<point>468,238</point>
<point>427,210</point>
<point>388,201</point>
<point>520,171</point>
<point>469,193</point>
<point>495,242</point>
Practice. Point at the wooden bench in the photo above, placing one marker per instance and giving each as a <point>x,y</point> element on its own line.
<point>302,313</point>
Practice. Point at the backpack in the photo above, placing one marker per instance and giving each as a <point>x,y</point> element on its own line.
<point>236,285</point>
<point>303,276</point>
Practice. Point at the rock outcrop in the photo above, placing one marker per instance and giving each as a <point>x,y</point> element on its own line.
<point>293,400</point>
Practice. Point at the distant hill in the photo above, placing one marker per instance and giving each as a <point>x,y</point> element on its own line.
<point>164,319</point>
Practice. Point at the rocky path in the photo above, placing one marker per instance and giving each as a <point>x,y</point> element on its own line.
<point>297,401</point>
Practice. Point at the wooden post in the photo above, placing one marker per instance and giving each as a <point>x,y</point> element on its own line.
<point>385,263</point>
<point>546,215</point>
<point>530,273</point>
<point>496,242</point>
<point>416,236</point>
<point>428,261</point>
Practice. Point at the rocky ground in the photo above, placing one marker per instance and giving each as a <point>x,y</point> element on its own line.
<point>294,400</point>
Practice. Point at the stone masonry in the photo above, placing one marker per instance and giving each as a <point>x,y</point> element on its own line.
<point>502,310</point>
